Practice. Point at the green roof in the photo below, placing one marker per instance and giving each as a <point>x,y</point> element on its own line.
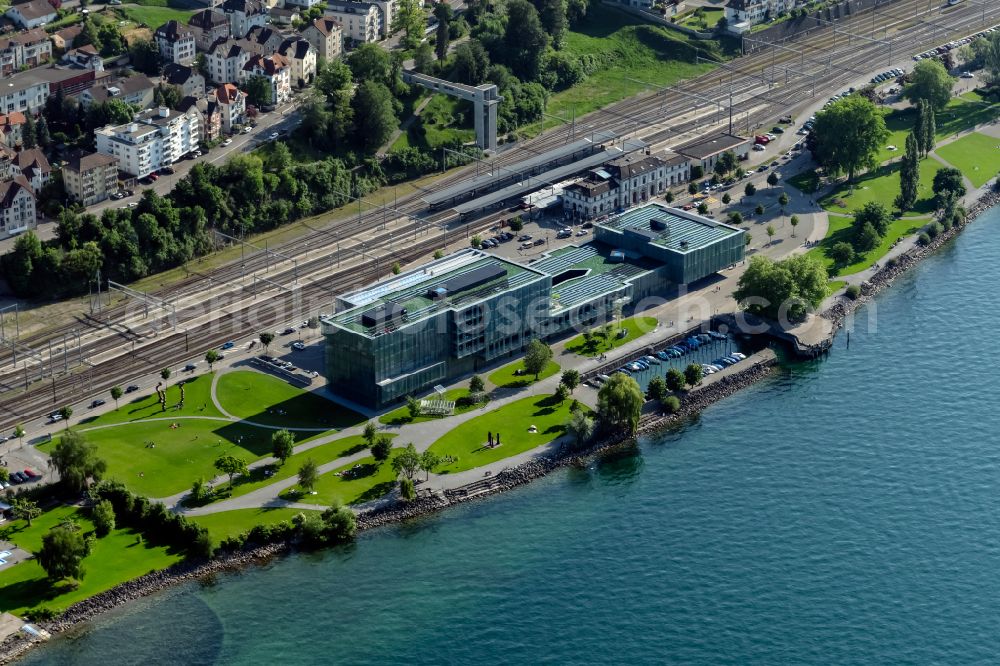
<point>682,234</point>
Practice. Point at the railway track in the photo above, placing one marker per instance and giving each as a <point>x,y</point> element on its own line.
<point>277,305</point>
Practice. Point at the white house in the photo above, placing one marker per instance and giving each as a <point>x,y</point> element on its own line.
<point>208,26</point>
<point>225,61</point>
<point>302,57</point>
<point>17,206</point>
<point>243,15</point>
<point>276,69</point>
<point>155,139</point>
<point>624,182</point>
<point>232,104</point>
<point>32,14</point>
<point>25,49</point>
<point>176,42</point>
<point>747,13</point>
<point>360,21</point>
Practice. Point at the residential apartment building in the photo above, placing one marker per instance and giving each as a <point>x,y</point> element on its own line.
<point>284,16</point>
<point>91,178</point>
<point>361,22</point>
<point>304,4</point>
<point>208,115</point>
<point>34,167</point>
<point>277,70</point>
<point>137,89</point>
<point>32,14</point>
<point>225,61</point>
<point>326,36</point>
<point>176,42</point>
<point>243,15</point>
<point>262,40</point>
<point>17,206</point>
<point>11,128</point>
<point>751,12</point>
<point>301,56</point>
<point>26,49</point>
<point>185,78</point>
<point>28,90</point>
<point>62,40</point>
<point>155,139</point>
<point>208,26</point>
<point>232,104</point>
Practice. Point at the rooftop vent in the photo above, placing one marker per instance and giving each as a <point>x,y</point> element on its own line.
<point>659,225</point>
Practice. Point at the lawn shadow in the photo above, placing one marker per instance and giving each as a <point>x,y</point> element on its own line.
<point>307,411</point>
<point>375,492</point>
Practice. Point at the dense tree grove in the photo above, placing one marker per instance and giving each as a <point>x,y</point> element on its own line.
<point>782,289</point>
<point>848,136</point>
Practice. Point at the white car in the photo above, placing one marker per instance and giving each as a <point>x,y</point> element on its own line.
<point>967,75</point>
<point>227,142</point>
<point>247,129</point>
<point>272,136</point>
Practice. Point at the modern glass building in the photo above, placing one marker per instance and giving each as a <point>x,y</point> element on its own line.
<point>455,315</point>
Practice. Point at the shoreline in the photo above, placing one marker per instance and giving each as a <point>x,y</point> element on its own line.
<point>692,403</point>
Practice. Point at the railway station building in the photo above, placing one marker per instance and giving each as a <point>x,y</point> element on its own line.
<point>461,313</point>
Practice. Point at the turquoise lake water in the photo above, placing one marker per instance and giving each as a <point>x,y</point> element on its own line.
<point>846,511</point>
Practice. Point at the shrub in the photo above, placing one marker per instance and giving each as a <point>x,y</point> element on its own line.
<point>891,262</point>
<point>671,405</point>
<point>934,230</point>
<point>406,489</point>
<point>842,253</point>
<point>924,239</point>
<point>853,291</point>
<point>104,518</point>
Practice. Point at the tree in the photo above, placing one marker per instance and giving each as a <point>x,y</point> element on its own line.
<point>759,210</point>
<point>947,180</point>
<point>552,14</point>
<point>406,462</point>
<point>412,406</point>
<point>620,401</point>
<point>842,253</point>
<point>988,50</point>
<point>165,374</point>
<point>770,233</point>
<point>476,242</point>
<point>24,509</point>
<point>282,445</point>
<point>266,339</point>
<point>536,357</point>
<point>692,188</point>
<point>930,129</point>
<point>308,475</point>
<point>783,201</point>
<point>750,189</point>
<point>104,518</point>
<point>929,81</point>
<point>675,380</point>
<point>409,18</point>
<point>259,91</point>
<point>726,199</point>
<point>524,41</point>
<point>20,432</point>
<point>211,356</point>
<point>772,178</point>
<point>561,393</point>
<point>369,433</point>
<point>396,268</point>
<point>570,379</point>
<point>876,214</point>
<point>470,63</point>
<point>374,115</point>
<point>865,238</point>
<point>76,461</point>
<point>735,218</point>
<point>62,553</point>
<point>703,208</point>
<point>794,221</point>
<point>909,175</point>
<point>116,393</point>
<point>381,448</point>
<point>791,286</point>
<point>42,131</point>
<point>476,384</point>
<point>29,135</point>
<point>370,62</point>
<point>112,42</point>
<point>657,389</point>
<point>443,14</point>
<point>428,461</point>
<point>423,58</point>
<point>849,135</point>
<point>693,374</point>
<point>580,426</point>
<point>516,224</point>
<point>231,466</point>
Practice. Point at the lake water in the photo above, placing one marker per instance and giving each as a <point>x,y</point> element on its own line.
<point>845,511</point>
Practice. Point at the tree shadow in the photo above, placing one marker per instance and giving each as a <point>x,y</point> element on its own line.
<point>375,492</point>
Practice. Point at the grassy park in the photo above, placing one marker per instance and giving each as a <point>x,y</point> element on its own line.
<point>271,401</point>
<point>354,483</point>
<point>225,524</point>
<point>401,415</point>
<point>467,442</point>
<point>636,327</point>
<point>507,377</point>
<point>976,155</point>
<point>154,17</point>
<point>840,230</point>
<point>702,18</point>
<point>114,559</point>
<point>882,185</point>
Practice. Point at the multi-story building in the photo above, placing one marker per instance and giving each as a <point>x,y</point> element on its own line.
<point>17,206</point>
<point>91,178</point>
<point>176,42</point>
<point>62,40</point>
<point>208,114</point>
<point>284,16</point>
<point>459,314</point>
<point>705,151</point>
<point>137,89</point>
<point>301,56</point>
<point>274,68</point>
<point>155,139</point>
<point>624,182</point>
<point>262,40</point>
<point>326,35</point>
<point>243,15</point>
<point>232,106</point>
<point>26,49</point>
<point>225,61</point>
<point>361,22</point>
<point>741,14</point>
<point>32,14</point>
<point>32,164</point>
<point>85,57</point>
<point>11,128</point>
<point>304,4</point>
<point>185,78</point>
<point>208,26</point>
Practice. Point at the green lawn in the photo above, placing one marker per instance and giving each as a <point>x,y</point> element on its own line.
<point>961,114</point>
<point>883,185</point>
<point>504,376</point>
<point>116,558</point>
<point>225,524</point>
<point>197,402</point>
<point>401,415</point>
<point>621,46</point>
<point>321,455</point>
<point>154,17</point>
<point>840,230</point>
<point>358,482</point>
<point>705,22</point>
<point>269,400</point>
<point>467,442</point>
<point>636,327</point>
<point>976,155</point>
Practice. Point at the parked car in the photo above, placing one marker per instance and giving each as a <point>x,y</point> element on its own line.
<point>131,388</point>
<point>539,241</point>
<point>96,403</point>
<point>190,367</point>
<point>167,171</point>
<point>227,142</point>
<point>298,346</point>
<point>228,345</point>
<point>524,237</point>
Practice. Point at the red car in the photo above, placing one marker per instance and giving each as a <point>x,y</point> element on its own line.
<point>762,140</point>
<point>29,473</point>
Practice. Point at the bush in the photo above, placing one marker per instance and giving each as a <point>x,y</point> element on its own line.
<point>853,291</point>
<point>924,239</point>
<point>891,262</point>
<point>842,253</point>
<point>671,405</point>
<point>104,518</point>
<point>934,230</point>
<point>406,489</point>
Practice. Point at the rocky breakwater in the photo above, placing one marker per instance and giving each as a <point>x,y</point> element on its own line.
<point>893,268</point>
